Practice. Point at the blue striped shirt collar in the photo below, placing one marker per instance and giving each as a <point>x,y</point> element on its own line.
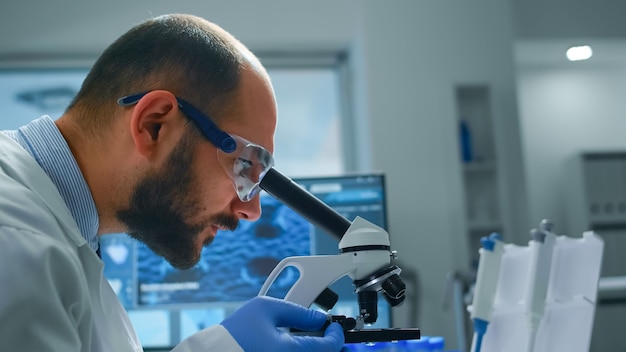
<point>43,140</point>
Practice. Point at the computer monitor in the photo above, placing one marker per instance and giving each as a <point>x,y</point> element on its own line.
<point>166,305</point>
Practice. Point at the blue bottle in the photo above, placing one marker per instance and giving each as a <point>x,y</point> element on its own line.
<point>367,347</point>
<point>436,344</point>
<point>420,345</point>
<point>465,135</point>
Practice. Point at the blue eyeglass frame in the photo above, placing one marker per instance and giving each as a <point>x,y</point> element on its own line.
<point>209,129</point>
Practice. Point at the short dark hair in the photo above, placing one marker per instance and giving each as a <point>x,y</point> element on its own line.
<point>187,55</point>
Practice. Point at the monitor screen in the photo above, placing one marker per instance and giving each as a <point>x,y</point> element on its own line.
<point>166,305</point>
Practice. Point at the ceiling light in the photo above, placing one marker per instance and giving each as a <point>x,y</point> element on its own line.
<point>578,53</point>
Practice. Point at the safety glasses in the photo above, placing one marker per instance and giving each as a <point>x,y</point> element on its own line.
<point>245,162</point>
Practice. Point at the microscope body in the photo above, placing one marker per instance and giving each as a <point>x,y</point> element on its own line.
<point>365,256</point>
<point>364,250</point>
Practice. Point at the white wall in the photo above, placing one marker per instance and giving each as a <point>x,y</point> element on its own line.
<point>564,110</point>
<point>68,28</point>
<point>414,55</point>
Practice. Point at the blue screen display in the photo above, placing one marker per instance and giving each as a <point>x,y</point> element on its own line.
<point>166,305</point>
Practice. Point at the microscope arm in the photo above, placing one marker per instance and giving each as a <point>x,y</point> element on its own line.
<point>364,248</point>
<point>316,273</point>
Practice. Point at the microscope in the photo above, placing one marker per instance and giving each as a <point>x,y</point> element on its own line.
<point>365,256</point>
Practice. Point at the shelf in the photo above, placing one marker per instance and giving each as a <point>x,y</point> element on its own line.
<point>486,225</point>
<point>479,166</point>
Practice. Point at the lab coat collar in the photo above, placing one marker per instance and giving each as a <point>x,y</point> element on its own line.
<point>20,166</point>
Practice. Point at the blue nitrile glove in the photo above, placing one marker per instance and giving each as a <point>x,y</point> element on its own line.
<point>255,326</point>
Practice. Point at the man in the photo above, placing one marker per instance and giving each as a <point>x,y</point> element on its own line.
<point>166,140</point>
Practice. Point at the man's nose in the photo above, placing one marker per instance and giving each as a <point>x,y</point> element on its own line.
<point>250,210</point>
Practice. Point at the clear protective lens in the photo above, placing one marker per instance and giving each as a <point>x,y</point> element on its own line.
<point>246,166</point>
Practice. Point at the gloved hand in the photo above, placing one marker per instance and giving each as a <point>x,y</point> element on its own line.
<point>255,326</point>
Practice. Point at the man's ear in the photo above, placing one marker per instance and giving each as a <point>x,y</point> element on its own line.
<point>152,120</point>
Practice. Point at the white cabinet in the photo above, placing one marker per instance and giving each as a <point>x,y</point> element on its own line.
<point>596,200</point>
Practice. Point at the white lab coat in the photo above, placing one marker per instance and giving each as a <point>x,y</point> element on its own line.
<point>53,295</point>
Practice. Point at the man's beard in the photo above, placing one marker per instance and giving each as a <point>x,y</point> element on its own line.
<point>161,206</point>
